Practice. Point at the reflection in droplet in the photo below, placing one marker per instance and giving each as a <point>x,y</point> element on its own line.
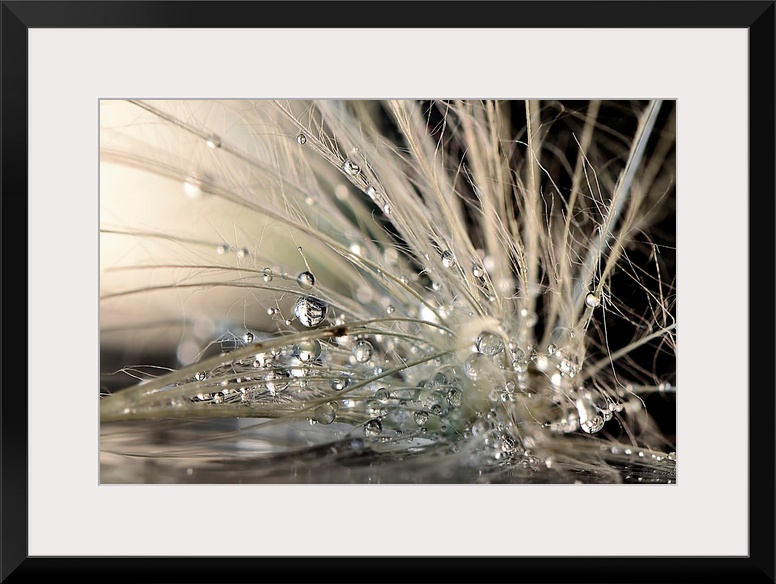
<point>309,311</point>
<point>305,280</point>
<point>362,351</point>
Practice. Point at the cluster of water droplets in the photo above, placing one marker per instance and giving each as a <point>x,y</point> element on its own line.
<point>498,402</point>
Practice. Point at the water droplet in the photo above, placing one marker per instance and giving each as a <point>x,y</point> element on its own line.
<point>305,280</point>
<point>387,209</point>
<point>592,300</point>
<point>489,344</point>
<point>374,194</point>
<point>309,311</point>
<point>307,350</point>
<point>421,418</point>
<point>478,271</point>
<point>325,414</point>
<point>243,252</point>
<point>454,397</point>
<point>382,395</point>
<point>222,249</point>
<point>508,444</point>
<point>276,380</point>
<point>362,351</point>
<point>248,337</point>
<point>480,427</point>
<point>390,309</point>
<point>592,425</point>
<point>301,139</point>
<point>351,168</point>
<point>339,383</point>
<point>551,349</point>
<point>213,142</point>
<point>672,456</point>
<point>267,274</point>
<point>199,376</point>
<point>373,428</point>
<point>448,259</point>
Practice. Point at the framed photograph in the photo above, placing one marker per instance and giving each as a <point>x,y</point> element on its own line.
<point>389,281</point>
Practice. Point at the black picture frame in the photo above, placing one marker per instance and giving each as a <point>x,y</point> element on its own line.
<point>18,17</point>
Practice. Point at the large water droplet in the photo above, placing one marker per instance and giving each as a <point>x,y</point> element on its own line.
<point>455,397</point>
<point>301,139</point>
<point>592,300</point>
<point>351,168</point>
<point>267,274</point>
<point>421,418</point>
<point>325,414</point>
<point>305,280</point>
<point>373,428</point>
<point>489,344</point>
<point>309,311</point>
<point>362,351</point>
<point>593,424</point>
<point>478,271</point>
<point>307,350</point>
<point>517,352</point>
<point>448,259</point>
<point>339,383</point>
<point>248,337</point>
<point>382,395</point>
<point>213,142</point>
<point>374,194</point>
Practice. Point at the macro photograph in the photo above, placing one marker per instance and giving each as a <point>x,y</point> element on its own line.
<point>409,291</point>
